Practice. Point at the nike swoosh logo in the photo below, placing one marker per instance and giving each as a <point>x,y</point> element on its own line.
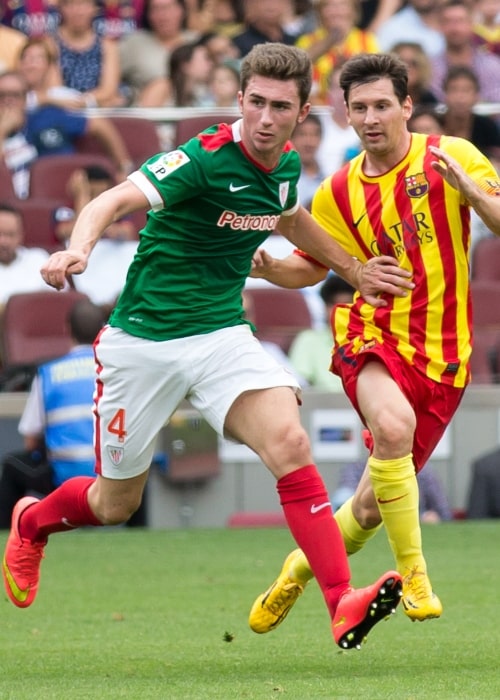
<point>391,500</point>
<point>315,509</point>
<point>357,223</point>
<point>340,622</point>
<point>66,522</point>
<point>18,593</point>
<point>234,188</point>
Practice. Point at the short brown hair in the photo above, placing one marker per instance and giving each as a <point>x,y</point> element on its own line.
<point>281,62</point>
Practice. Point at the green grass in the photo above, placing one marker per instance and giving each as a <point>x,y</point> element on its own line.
<point>142,615</point>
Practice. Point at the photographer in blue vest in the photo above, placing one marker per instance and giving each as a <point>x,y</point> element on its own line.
<point>57,421</point>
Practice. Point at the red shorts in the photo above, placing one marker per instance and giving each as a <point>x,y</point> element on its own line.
<point>434,403</point>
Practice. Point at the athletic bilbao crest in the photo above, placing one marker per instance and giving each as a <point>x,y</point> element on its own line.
<point>284,187</point>
<point>115,454</point>
<point>416,185</point>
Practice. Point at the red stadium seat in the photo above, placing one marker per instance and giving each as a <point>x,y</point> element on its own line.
<point>35,327</point>
<point>486,260</point>
<point>50,174</point>
<point>279,314</point>
<point>139,134</point>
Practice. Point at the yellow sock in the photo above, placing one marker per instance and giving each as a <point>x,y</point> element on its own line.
<point>396,490</point>
<point>353,534</point>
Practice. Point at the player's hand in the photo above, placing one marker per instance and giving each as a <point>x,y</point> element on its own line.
<point>451,171</point>
<point>262,264</point>
<point>383,275</point>
<point>62,265</point>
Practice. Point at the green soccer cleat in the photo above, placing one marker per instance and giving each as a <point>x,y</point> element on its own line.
<point>419,600</point>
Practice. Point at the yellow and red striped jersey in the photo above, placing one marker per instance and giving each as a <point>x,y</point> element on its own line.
<point>411,213</point>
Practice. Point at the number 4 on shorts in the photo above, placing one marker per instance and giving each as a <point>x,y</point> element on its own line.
<point>117,425</point>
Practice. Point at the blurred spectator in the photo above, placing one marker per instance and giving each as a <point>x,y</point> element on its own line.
<point>433,504</point>
<point>419,72</point>
<point>228,17</point>
<point>311,350</point>
<point>31,17</point>
<point>425,120</point>
<point>483,499</point>
<point>118,18</point>
<point>457,26</point>
<point>264,22</point>
<point>220,48</point>
<point>486,28</point>
<point>57,421</point>
<point>11,43</point>
<point>417,21</point>
<point>373,13</point>
<point>87,63</point>
<point>37,64</point>
<point>224,84</point>
<point>339,138</point>
<point>145,54</point>
<point>107,268</point>
<point>307,140</point>
<point>461,94</point>
<point>336,39</point>
<point>19,266</point>
<point>47,130</point>
<point>189,69</point>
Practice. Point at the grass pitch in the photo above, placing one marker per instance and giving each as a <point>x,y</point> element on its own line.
<point>162,615</point>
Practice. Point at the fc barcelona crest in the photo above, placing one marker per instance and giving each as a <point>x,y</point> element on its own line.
<point>416,185</point>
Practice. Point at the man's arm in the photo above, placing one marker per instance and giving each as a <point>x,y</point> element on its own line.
<point>380,274</point>
<point>90,225</point>
<point>486,206</point>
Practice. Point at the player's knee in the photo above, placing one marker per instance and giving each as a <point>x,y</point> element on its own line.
<point>393,430</point>
<point>289,448</point>
<point>116,513</point>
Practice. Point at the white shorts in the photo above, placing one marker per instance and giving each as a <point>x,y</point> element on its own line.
<point>140,384</point>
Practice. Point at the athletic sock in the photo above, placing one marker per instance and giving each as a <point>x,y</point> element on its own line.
<point>396,490</point>
<point>355,537</point>
<point>66,508</point>
<point>308,512</point>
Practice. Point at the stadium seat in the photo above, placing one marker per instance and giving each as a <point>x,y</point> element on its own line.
<point>38,222</point>
<point>486,260</point>
<point>50,174</point>
<point>485,358</point>
<point>6,187</point>
<point>279,314</point>
<point>485,303</point>
<point>139,134</point>
<point>35,327</point>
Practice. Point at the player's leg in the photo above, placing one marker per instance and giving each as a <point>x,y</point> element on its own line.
<point>268,422</point>
<point>392,423</point>
<point>296,571</point>
<point>134,399</point>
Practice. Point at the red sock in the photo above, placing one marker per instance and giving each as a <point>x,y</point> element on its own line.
<point>66,508</point>
<point>309,516</point>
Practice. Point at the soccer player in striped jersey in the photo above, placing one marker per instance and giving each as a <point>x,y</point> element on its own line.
<point>404,366</point>
<point>179,331</point>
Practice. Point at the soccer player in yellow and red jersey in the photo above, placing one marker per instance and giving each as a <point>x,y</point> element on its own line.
<point>403,366</point>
